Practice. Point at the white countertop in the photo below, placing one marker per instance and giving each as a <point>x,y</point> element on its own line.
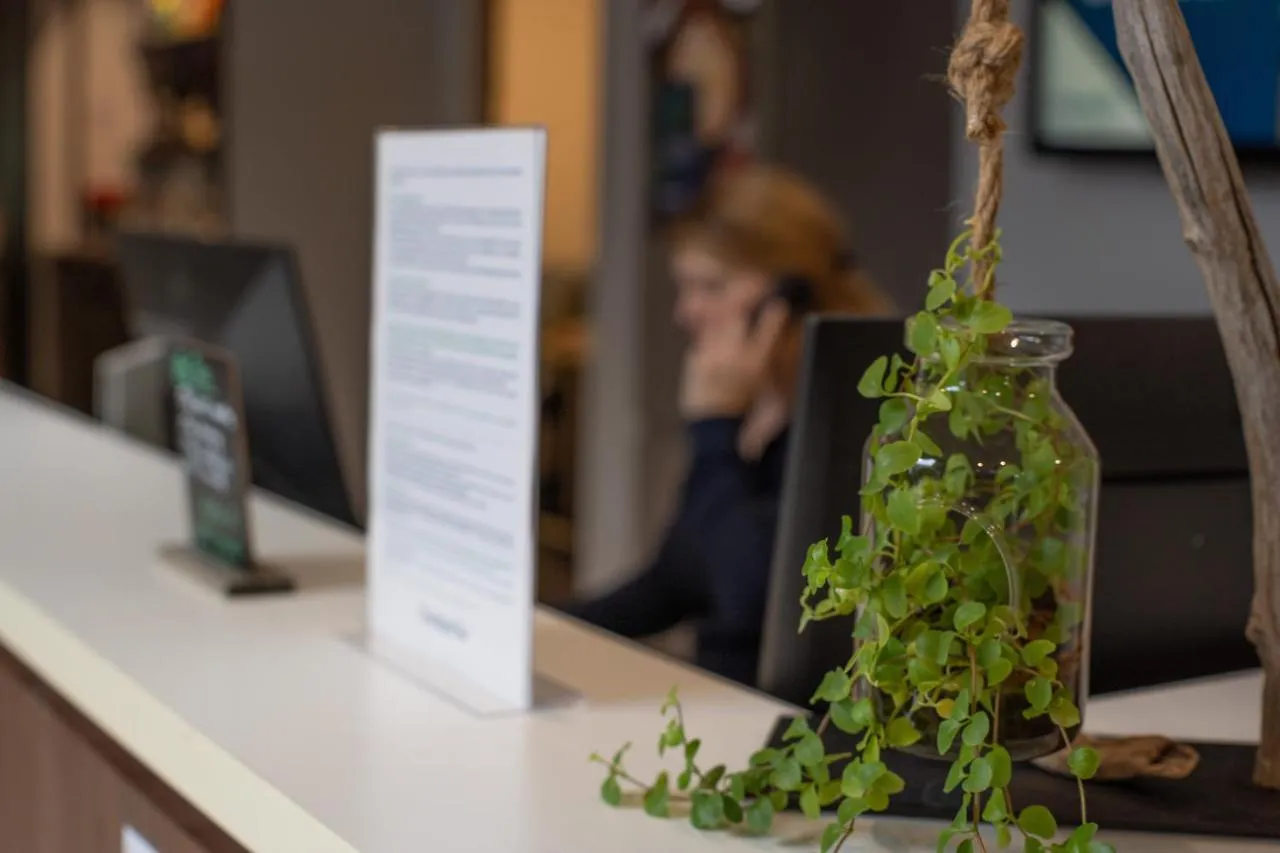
<point>267,715</point>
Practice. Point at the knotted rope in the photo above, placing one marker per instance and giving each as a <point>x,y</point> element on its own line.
<point>983,67</point>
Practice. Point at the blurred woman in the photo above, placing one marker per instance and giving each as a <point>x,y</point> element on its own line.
<point>763,251</point>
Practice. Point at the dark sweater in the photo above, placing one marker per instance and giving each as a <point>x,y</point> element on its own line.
<point>713,565</point>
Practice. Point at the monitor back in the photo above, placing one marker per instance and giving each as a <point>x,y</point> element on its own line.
<point>1173,576</point>
<point>248,299</point>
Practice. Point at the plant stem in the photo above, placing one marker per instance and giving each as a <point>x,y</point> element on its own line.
<point>1084,808</point>
<point>848,833</point>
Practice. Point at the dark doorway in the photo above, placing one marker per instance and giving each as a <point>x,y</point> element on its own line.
<point>14,38</point>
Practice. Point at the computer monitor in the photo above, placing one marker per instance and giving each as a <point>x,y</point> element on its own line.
<point>248,299</point>
<point>1173,571</point>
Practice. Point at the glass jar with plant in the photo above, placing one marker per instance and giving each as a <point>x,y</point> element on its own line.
<point>967,589</point>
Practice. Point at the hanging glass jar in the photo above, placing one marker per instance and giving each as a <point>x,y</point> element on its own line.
<point>984,602</point>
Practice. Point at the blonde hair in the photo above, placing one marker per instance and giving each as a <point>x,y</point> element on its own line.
<point>769,219</point>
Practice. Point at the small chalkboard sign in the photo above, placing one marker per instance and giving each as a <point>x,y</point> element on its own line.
<point>209,433</point>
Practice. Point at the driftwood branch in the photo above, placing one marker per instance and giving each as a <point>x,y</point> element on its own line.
<point>1218,225</point>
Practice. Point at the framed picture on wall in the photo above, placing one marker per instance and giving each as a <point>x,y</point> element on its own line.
<point>703,120</point>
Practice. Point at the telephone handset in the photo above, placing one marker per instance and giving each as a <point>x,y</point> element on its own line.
<point>795,291</point>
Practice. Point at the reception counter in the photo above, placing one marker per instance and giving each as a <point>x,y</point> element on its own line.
<point>131,697</point>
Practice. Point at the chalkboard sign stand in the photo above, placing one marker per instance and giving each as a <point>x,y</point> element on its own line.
<point>228,580</point>
<point>209,431</point>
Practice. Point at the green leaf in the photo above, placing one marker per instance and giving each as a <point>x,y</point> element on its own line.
<point>989,652</point>
<point>1033,846</point>
<point>1001,766</point>
<point>851,809</point>
<point>935,646</point>
<point>1079,840</point>
<point>891,783</point>
<point>835,686</point>
<point>732,809</point>
<point>923,333</point>
<point>997,810</point>
<point>809,802</point>
<point>999,671</point>
<point>902,732</point>
<point>896,457</point>
<point>831,837</point>
<point>786,776</point>
<point>966,846</point>
<point>799,728</point>
<point>708,810</point>
<point>852,717</point>
<point>904,512</point>
<point>947,732</point>
<point>712,777</point>
<point>1038,821</point>
<point>954,777</point>
<point>1064,713</point>
<point>936,589</point>
<point>944,838</point>
<point>738,786</point>
<point>950,348</point>
<point>979,778</point>
<point>860,777</point>
<point>1083,762</point>
<point>940,401</point>
<point>975,733</point>
<point>672,701</point>
<point>611,791</point>
<point>684,780</point>
<point>829,792</point>
<point>1003,836</point>
<point>923,673</point>
<point>894,414</point>
<point>989,317</point>
<point>809,751</point>
<point>1100,847</point>
<point>893,593</point>
<point>939,292</point>
<point>779,800</point>
<point>1039,693</point>
<point>926,444</point>
<point>657,798</point>
<point>969,613</point>
<point>961,710</point>
<point>872,382</point>
<point>760,816</point>
<point>877,800</point>
<point>1036,651</point>
<point>691,749</point>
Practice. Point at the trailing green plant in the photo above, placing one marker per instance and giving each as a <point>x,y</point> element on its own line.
<point>952,654</point>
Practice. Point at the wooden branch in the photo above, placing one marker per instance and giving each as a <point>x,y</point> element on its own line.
<point>1218,226</point>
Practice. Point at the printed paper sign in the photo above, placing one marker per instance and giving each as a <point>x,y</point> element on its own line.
<point>453,432</point>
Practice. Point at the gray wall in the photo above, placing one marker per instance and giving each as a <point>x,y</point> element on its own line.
<point>310,81</point>
<point>1088,237</point>
<point>856,104</point>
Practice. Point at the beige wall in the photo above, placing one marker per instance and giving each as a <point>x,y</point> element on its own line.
<point>544,69</point>
<point>90,110</point>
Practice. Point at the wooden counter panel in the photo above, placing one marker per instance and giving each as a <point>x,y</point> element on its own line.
<point>65,787</point>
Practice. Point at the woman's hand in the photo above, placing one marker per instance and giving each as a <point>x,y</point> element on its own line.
<point>726,368</point>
